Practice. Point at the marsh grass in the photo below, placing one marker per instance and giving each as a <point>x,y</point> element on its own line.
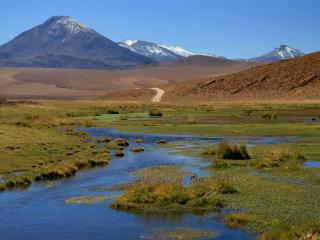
<point>208,151</point>
<point>137,149</point>
<point>167,192</point>
<point>119,153</point>
<point>276,157</point>
<point>180,233</point>
<point>89,199</point>
<point>240,219</point>
<point>232,151</point>
<point>219,164</point>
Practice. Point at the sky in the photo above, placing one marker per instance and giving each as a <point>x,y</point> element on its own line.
<point>230,28</point>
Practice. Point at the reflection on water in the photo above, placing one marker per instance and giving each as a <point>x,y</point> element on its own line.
<point>40,212</point>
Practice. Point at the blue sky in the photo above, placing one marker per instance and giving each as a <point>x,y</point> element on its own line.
<point>232,28</point>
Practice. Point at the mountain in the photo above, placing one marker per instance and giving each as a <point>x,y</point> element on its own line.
<point>279,53</point>
<point>150,50</point>
<point>158,52</point>
<point>63,42</point>
<point>296,79</point>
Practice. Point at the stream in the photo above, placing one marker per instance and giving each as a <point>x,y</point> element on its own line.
<point>40,212</point>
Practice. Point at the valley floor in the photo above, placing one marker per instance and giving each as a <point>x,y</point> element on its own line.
<point>277,190</point>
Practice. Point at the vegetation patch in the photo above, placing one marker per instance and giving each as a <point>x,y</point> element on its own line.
<point>209,151</point>
<point>137,149</point>
<point>119,153</point>
<point>232,151</point>
<point>89,199</point>
<point>155,113</point>
<point>164,193</point>
<point>219,164</point>
<point>180,233</point>
<point>161,141</point>
<point>275,157</point>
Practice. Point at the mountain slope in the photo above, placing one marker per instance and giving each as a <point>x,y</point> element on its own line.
<point>279,53</point>
<point>150,50</point>
<point>62,42</point>
<point>295,79</point>
<point>159,52</point>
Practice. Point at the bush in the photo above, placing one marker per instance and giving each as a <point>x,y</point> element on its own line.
<point>228,151</point>
<point>155,113</point>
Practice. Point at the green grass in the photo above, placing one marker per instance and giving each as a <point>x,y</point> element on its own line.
<point>161,188</point>
<point>277,198</point>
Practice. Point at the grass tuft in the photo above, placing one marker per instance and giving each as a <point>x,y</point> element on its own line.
<point>232,151</point>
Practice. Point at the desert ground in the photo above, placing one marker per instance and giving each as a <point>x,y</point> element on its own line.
<point>35,83</point>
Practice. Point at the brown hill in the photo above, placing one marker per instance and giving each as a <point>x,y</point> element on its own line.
<point>295,79</point>
<point>42,83</point>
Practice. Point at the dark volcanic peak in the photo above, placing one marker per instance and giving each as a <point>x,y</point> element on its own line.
<point>63,42</point>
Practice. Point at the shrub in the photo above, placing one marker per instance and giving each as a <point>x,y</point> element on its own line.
<point>155,113</point>
<point>228,151</point>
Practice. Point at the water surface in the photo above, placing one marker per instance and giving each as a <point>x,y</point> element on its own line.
<point>39,212</point>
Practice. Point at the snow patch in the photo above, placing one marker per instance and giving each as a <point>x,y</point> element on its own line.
<point>70,25</point>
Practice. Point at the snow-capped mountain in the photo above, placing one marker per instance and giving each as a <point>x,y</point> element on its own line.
<point>158,52</point>
<point>63,42</point>
<point>179,51</point>
<point>279,53</point>
<point>150,50</point>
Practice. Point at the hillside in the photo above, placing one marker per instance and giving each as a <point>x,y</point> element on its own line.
<point>294,79</point>
<point>42,83</point>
